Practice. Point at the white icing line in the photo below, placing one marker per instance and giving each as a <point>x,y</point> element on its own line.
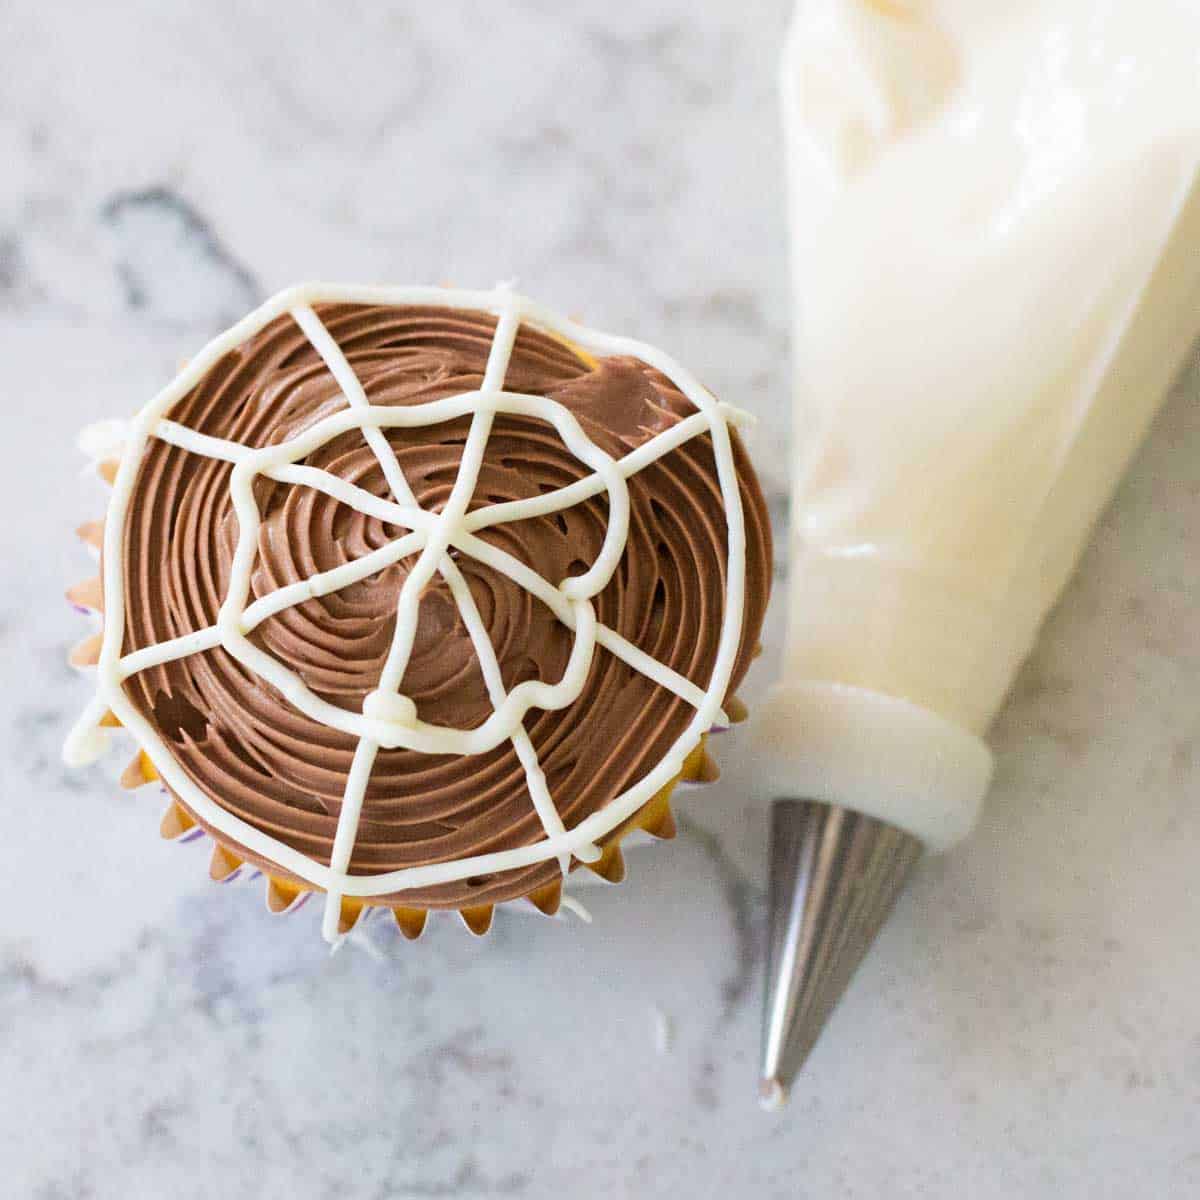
<point>432,553</point>
<point>390,722</point>
<point>592,485</point>
<point>575,906</point>
<point>539,793</point>
<point>407,515</point>
<point>367,749</point>
<point>269,605</point>
<point>626,651</point>
<point>203,444</point>
<point>332,580</point>
<point>356,397</point>
<point>183,646</point>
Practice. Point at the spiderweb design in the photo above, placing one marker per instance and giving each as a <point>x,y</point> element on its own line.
<point>388,718</point>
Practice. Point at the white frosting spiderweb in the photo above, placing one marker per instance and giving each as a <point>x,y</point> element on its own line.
<point>388,718</point>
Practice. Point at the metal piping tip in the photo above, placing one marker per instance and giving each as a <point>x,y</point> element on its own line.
<point>835,875</point>
<point>772,1095</point>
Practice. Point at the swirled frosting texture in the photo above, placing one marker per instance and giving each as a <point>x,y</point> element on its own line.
<point>260,758</point>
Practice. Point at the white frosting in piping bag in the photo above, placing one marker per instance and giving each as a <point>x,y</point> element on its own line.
<point>996,237</point>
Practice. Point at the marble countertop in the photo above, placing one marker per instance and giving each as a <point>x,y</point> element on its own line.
<point>1027,1024</point>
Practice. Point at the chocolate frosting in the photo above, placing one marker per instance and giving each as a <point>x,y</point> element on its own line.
<point>260,758</point>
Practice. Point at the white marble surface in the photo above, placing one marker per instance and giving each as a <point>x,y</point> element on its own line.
<point>1027,1026</point>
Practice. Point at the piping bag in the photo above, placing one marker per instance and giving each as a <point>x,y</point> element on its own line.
<point>995,226</point>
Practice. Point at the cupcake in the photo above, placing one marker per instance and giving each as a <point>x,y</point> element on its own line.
<point>420,599</point>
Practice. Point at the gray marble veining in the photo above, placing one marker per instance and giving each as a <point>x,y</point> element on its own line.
<point>1026,1026</point>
